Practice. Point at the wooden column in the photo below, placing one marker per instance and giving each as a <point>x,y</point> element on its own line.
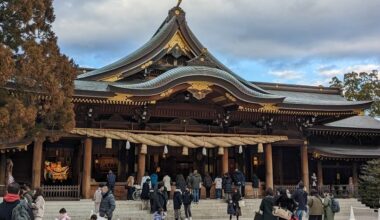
<point>141,165</point>
<point>268,166</point>
<point>225,161</point>
<point>355,173</point>
<point>319,173</point>
<point>3,168</point>
<point>86,178</point>
<point>122,166</point>
<point>37,162</point>
<point>305,165</point>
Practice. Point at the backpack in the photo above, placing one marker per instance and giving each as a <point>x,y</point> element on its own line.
<point>335,205</point>
<point>22,212</point>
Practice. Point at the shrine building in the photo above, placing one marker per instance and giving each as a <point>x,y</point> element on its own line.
<point>172,106</point>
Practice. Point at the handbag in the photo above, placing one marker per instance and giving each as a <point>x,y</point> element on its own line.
<point>282,213</point>
<point>241,203</point>
<point>258,216</point>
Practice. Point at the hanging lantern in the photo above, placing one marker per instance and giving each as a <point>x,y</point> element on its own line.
<point>108,143</point>
<point>185,151</point>
<point>127,145</point>
<point>260,148</point>
<point>240,149</point>
<point>204,151</point>
<point>221,151</point>
<point>166,151</point>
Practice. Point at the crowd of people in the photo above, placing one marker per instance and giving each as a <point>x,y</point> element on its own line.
<point>22,203</point>
<point>299,205</point>
<point>155,194</point>
<point>274,205</point>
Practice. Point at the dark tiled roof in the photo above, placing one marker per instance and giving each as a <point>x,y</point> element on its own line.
<point>363,122</point>
<point>347,150</point>
<point>163,32</point>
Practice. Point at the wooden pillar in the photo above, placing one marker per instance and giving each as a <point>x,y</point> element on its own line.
<point>225,161</point>
<point>141,164</point>
<point>305,165</point>
<point>319,173</point>
<point>268,166</point>
<point>122,166</point>
<point>86,178</point>
<point>3,168</point>
<point>355,173</point>
<point>37,162</point>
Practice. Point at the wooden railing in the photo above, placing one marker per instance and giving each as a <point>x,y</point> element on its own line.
<point>61,192</point>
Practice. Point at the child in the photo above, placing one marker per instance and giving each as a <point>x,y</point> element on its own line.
<point>63,215</point>
<point>93,217</point>
<point>159,215</point>
<point>187,198</point>
<point>98,198</point>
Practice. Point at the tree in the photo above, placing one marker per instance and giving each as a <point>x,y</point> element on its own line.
<point>369,184</point>
<point>36,80</point>
<point>361,87</point>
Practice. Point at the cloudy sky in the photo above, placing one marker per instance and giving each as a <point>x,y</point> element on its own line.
<point>292,41</point>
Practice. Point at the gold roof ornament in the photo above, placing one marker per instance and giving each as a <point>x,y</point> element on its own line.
<point>147,64</point>
<point>269,107</point>
<point>178,40</point>
<point>119,97</point>
<point>166,93</point>
<point>199,89</point>
<point>230,97</point>
<point>113,78</point>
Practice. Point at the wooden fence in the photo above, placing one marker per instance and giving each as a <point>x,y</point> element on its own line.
<point>61,192</point>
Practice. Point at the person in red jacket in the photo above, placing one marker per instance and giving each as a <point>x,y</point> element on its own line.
<point>10,201</point>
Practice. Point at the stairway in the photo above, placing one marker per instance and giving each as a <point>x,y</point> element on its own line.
<point>206,209</point>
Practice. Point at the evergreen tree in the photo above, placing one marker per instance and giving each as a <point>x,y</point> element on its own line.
<point>369,184</point>
<point>361,87</point>
<point>36,80</point>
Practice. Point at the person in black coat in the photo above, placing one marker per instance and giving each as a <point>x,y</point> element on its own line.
<point>111,180</point>
<point>239,181</point>
<point>187,198</point>
<point>233,207</point>
<point>180,182</point>
<point>266,206</point>
<point>177,203</point>
<point>285,201</point>
<point>145,191</point>
<point>158,199</point>
<point>10,201</point>
<point>300,196</point>
<point>227,186</point>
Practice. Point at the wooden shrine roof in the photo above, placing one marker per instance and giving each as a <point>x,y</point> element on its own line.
<point>112,82</point>
<point>346,151</point>
<point>354,125</point>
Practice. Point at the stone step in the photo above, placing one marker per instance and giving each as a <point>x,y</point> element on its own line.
<point>126,210</point>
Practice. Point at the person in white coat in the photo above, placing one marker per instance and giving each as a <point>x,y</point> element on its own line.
<point>168,184</point>
<point>38,205</point>
<point>143,180</point>
<point>98,198</point>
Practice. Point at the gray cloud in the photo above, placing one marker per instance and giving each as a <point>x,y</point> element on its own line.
<point>282,34</point>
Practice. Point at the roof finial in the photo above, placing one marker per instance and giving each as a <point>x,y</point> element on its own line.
<point>178,3</point>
